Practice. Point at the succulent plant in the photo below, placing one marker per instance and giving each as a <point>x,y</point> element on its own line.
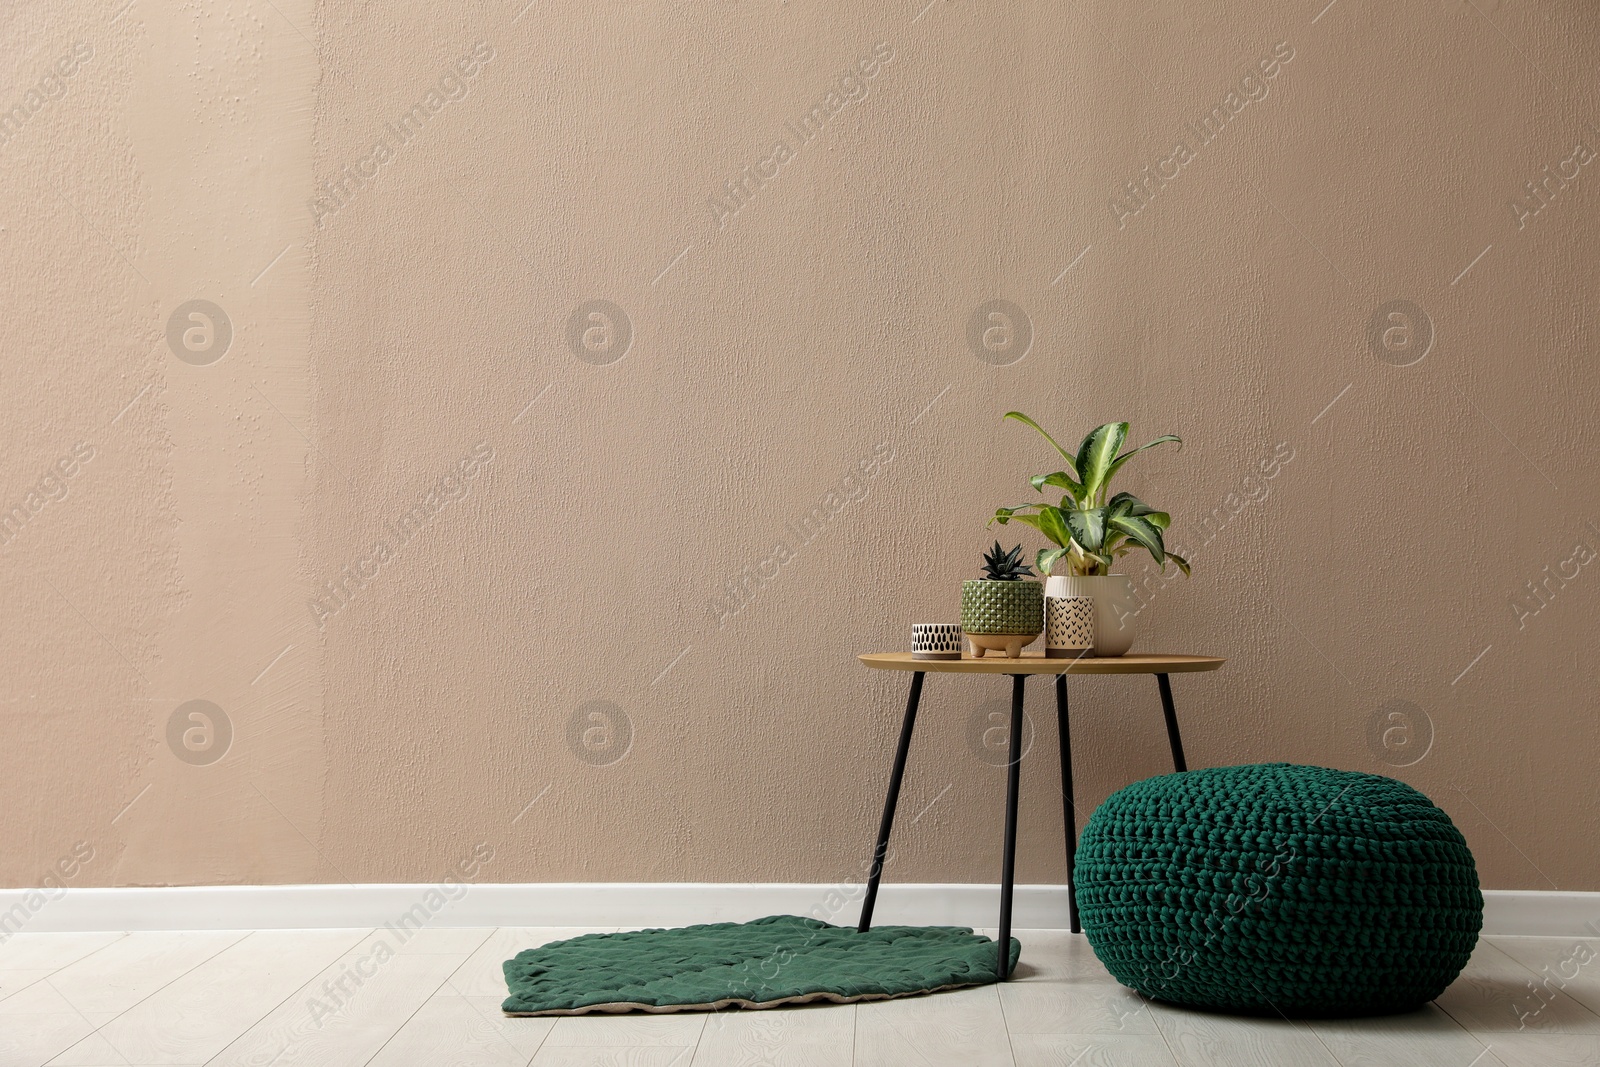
<point>1002,566</point>
<point>1001,603</point>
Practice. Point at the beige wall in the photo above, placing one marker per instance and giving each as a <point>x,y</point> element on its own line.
<point>543,656</point>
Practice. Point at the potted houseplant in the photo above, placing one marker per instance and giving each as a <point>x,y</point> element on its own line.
<point>1002,610</point>
<point>1092,529</point>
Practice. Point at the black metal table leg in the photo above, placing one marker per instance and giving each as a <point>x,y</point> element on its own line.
<point>1008,865</point>
<point>1178,762</point>
<point>1069,811</point>
<point>889,803</point>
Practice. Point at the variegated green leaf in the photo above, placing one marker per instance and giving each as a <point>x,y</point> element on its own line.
<point>1047,558</point>
<point>1096,455</point>
<point>1139,530</point>
<point>1027,520</point>
<point>1162,440</point>
<point>1060,479</point>
<point>1135,506</point>
<point>1132,502</point>
<point>1005,515</point>
<point>1183,564</point>
<point>1088,528</point>
<point>1072,463</point>
<point>1053,524</point>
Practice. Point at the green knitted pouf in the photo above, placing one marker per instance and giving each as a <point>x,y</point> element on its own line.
<point>1275,888</point>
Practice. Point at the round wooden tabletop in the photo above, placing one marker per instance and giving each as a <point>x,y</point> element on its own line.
<point>1035,663</point>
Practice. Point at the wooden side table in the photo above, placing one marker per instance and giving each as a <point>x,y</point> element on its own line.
<point>1019,669</point>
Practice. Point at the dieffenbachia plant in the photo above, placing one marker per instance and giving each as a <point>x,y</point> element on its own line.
<point>1090,531</point>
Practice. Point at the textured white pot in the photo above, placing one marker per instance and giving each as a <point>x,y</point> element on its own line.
<point>1115,608</point>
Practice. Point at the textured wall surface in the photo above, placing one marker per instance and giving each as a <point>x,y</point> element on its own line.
<point>575,393</point>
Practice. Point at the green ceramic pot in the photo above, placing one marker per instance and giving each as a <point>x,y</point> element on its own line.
<point>990,607</point>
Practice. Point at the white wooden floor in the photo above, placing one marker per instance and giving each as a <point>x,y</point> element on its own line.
<point>322,997</point>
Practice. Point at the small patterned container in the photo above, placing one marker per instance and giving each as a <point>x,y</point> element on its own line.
<point>991,607</point>
<point>935,640</point>
<point>1068,627</point>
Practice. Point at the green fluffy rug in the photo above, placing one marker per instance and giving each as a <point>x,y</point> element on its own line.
<point>782,959</point>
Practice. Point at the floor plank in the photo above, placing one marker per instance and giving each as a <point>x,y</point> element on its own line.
<point>29,1040</point>
<point>1496,994</point>
<point>457,941</point>
<point>637,1028</point>
<point>1061,988</point>
<point>345,1014</point>
<point>40,998</point>
<point>1568,964</point>
<point>965,1026</point>
<point>818,1036</point>
<point>1424,1038</point>
<point>482,974</point>
<point>12,982</point>
<point>1091,1050</point>
<point>1204,1039</point>
<point>93,1051</point>
<point>195,1017</point>
<point>51,951</point>
<point>1545,1050</point>
<point>125,972</point>
<point>463,1032</point>
<point>620,1056</point>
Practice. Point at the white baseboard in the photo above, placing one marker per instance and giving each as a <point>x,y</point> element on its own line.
<point>1540,913</point>
<point>267,907</point>
<point>602,904</point>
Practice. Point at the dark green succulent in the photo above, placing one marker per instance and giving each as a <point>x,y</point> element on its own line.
<point>1002,566</point>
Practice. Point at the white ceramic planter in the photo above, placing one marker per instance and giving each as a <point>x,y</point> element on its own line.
<point>1115,608</point>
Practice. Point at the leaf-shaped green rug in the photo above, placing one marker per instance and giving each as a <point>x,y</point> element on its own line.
<point>782,959</point>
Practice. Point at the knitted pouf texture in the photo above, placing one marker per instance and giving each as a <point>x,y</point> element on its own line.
<point>1275,888</point>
